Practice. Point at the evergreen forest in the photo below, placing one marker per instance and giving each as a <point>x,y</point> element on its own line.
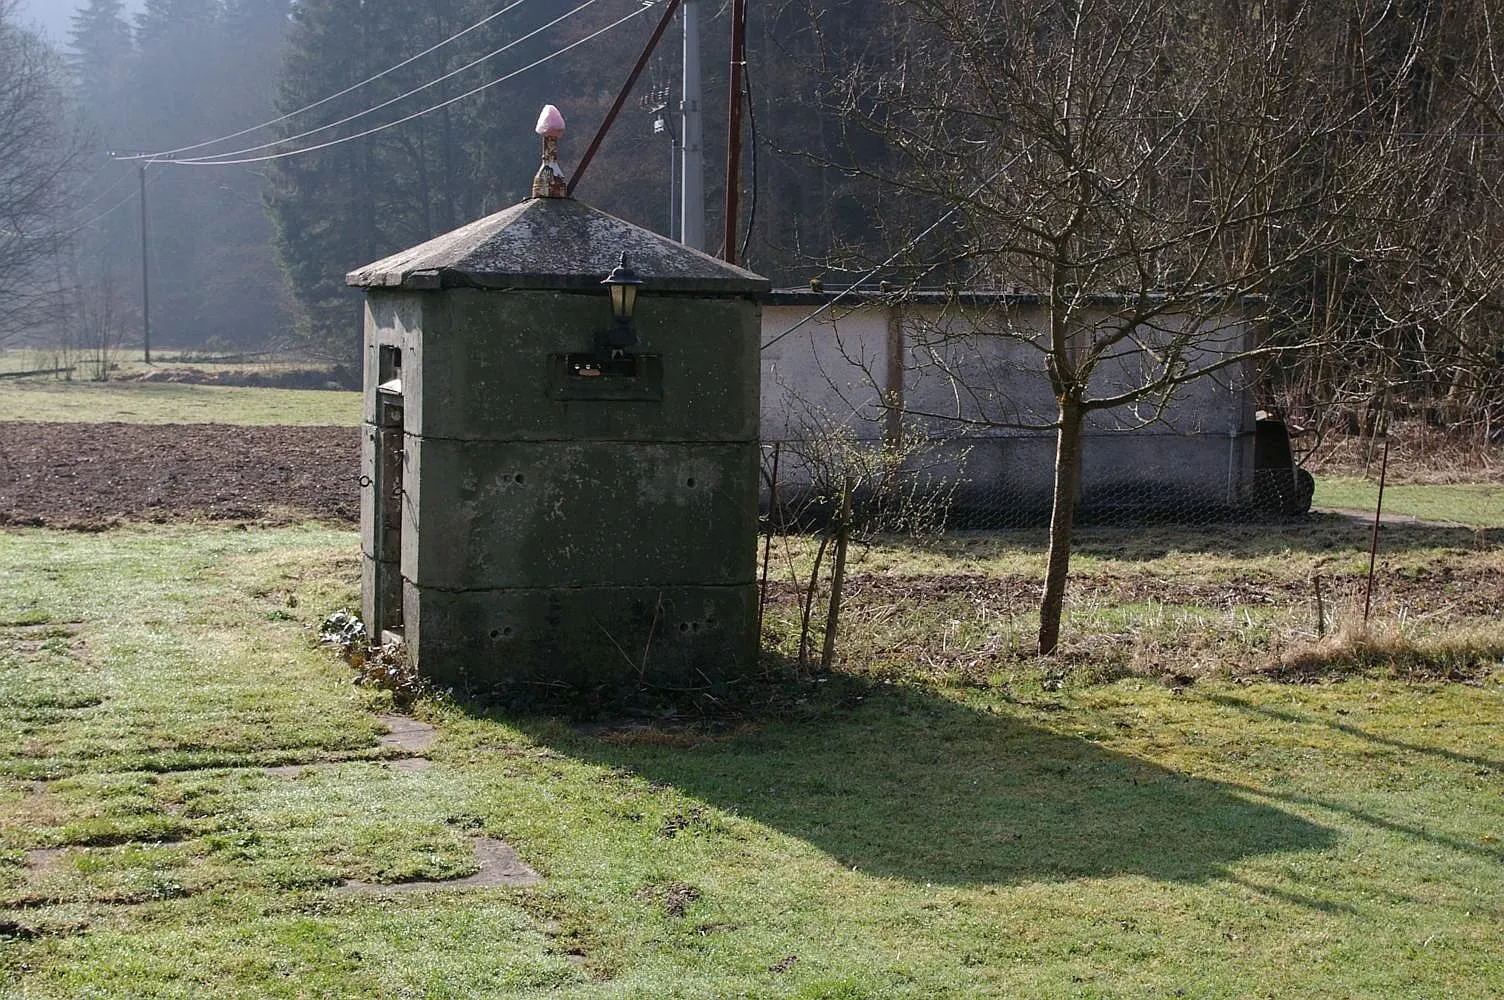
<point>1338,161</point>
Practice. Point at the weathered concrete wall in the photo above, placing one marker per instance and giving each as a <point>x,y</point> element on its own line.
<point>508,514</point>
<point>484,360</point>
<point>588,641</point>
<point>593,543</point>
<point>962,387</point>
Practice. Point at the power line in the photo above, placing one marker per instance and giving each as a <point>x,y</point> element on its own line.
<point>325,100</point>
<point>896,254</point>
<point>209,162</point>
<point>97,197</point>
<point>80,226</point>
<point>215,157</point>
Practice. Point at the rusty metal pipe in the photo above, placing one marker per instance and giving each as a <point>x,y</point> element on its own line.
<point>1373,545</point>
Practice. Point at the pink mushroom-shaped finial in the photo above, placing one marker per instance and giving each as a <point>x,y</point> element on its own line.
<point>549,181</point>
<point>550,122</point>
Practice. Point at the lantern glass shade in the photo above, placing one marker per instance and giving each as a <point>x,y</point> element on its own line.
<point>622,282</point>
<point>623,301</point>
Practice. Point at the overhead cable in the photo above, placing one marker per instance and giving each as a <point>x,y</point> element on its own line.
<point>81,226</point>
<point>896,254</point>
<point>211,162</point>
<point>214,157</point>
<point>100,196</point>
<point>325,100</point>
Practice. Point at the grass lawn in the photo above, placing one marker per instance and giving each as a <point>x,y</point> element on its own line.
<point>45,398</point>
<point>187,785</point>
<point>1476,504</point>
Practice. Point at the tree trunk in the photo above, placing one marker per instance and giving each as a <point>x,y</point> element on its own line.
<point>809,602</point>
<point>837,578</point>
<point>1062,522</point>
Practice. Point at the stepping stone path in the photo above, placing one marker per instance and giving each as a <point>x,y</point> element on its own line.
<point>42,859</point>
<point>408,733</point>
<point>499,865</point>
<point>288,771</point>
<point>499,862</point>
<point>411,735</point>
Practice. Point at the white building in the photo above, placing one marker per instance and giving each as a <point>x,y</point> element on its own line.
<point>966,371</point>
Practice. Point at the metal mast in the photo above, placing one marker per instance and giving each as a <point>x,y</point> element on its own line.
<point>692,175</point>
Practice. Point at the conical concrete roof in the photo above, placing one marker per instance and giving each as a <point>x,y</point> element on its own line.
<point>553,243</point>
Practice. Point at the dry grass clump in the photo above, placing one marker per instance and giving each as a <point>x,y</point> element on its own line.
<point>1355,648</point>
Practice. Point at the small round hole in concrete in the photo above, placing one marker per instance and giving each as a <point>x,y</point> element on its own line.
<point>684,626</point>
<point>690,482</point>
<point>517,479</point>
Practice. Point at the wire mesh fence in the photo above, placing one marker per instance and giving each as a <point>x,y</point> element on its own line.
<point>931,483</point>
<point>1395,581</point>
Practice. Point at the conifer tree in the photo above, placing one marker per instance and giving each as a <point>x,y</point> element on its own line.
<point>101,47</point>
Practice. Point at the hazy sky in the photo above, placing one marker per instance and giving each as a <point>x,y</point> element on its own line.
<point>54,15</point>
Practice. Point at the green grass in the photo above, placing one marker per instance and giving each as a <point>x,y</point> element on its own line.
<point>1474,504</point>
<point>875,835</point>
<point>1229,599</point>
<point>50,399</point>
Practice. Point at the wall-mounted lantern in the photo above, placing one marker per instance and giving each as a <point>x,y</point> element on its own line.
<point>622,283</point>
<point>610,371</point>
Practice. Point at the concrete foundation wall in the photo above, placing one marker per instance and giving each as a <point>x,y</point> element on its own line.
<point>503,514</point>
<point>587,640</point>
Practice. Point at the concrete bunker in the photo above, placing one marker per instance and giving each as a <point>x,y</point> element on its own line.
<point>543,503</point>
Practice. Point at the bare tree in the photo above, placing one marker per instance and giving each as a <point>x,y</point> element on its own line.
<point>849,488</point>
<point>1420,321</point>
<point>1148,168</point>
<point>95,326</point>
<point>1445,294</point>
<point>38,151</point>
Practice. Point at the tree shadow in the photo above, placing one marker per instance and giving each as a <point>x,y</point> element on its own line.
<point>898,782</point>
<point>1487,765</point>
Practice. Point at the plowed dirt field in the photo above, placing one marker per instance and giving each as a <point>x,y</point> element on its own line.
<point>95,476</point>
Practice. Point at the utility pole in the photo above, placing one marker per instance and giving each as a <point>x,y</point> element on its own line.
<point>145,274</point>
<point>692,175</point>
<point>136,154</point>
<point>656,104</point>
<point>734,127</point>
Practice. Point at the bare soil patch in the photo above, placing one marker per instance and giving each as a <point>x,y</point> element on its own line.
<point>90,477</point>
<point>1463,590</point>
<point>94,476</point>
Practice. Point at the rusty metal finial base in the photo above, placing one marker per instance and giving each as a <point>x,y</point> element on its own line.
<point>549,181</point>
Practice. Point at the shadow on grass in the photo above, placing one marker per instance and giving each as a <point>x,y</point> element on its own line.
<point>1483,764</point>
<point>1315,534</point>
<point>1479,765</point>
<point>900,782</point>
